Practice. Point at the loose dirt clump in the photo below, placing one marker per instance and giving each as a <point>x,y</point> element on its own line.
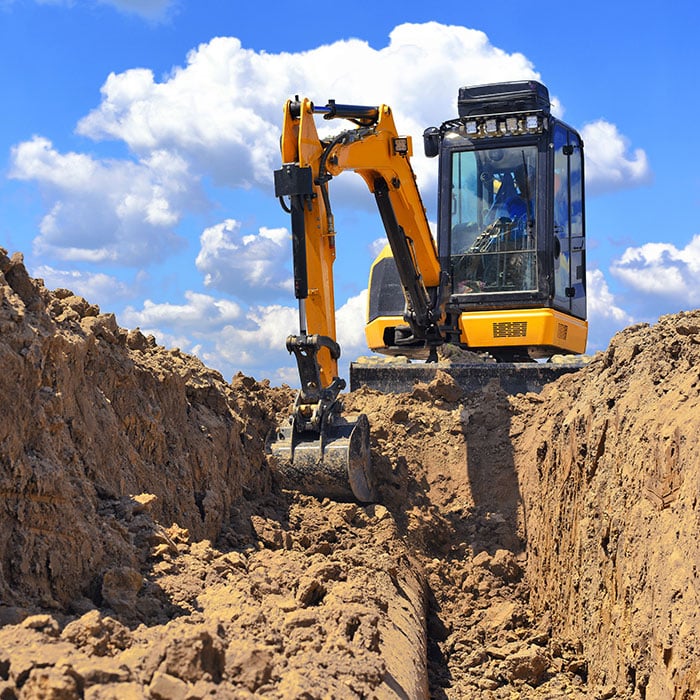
<point>536,546</point>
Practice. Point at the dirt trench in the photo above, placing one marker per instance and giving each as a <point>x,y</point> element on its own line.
<point>537,546</point>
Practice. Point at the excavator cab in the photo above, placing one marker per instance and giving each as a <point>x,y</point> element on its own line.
<point>511,231</point>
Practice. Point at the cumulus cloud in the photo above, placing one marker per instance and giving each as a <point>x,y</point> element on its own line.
<point>377,246</point>
<point>257,343</point>
<point>609,163</point>
<point>243,264</point>
<point>214,111</point>
<point>662,272</point>
<point>350,322</point>
<point>106,211</point>
<point>605,315</point>
<point>97,287</point>
<point>601,301</point>
<point>153,10</point>
<point>222,334</point>
<point>149,9</point>
<point>200,314</point>
<point>253,340</point>
<point>218,118</point>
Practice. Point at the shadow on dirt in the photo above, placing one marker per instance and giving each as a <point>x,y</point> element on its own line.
<point>459,511</point>
<point>492,476</point>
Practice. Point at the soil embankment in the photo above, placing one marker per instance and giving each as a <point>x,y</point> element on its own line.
<point>537,546</point>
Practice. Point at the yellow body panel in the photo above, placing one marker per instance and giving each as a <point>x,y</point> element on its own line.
<point>523,328</point>
<point>547,329</point>
<point>374,331</point>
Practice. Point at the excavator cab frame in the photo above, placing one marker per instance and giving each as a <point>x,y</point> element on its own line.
<point>511,229</point>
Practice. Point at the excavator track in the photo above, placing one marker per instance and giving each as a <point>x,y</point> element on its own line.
<point>512,377</point>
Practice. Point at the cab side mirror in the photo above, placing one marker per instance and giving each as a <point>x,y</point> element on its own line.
<point>431,141</point>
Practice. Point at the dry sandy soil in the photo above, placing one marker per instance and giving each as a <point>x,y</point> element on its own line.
<point>531,546</point>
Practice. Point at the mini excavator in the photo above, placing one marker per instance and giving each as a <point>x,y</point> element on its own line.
<point>506,276</point>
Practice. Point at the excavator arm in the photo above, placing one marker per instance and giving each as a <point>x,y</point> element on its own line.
<point>318,437</point>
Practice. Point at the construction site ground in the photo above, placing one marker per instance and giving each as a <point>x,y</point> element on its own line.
<point>527,546</point>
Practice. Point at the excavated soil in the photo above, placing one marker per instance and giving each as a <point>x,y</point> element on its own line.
<point>535,546</point>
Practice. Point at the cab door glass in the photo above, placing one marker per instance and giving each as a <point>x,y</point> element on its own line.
<point>577,265</point>
<point>493,245</point>
<point>569,242</point>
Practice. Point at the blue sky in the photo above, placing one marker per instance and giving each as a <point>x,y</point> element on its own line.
<point>139,137</point>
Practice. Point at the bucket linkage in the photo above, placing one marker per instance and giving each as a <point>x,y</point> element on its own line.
<point>319,452</point>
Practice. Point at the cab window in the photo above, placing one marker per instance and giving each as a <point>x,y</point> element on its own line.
<point>569,243</point>
<point>492,245</point>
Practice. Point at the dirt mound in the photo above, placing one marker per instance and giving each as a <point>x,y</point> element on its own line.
<point>146,553</point>
<point>91,413</point>
<point>532,546</point>
<point>609,475</point>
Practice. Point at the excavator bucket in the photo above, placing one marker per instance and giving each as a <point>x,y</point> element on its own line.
<point>333,464</point>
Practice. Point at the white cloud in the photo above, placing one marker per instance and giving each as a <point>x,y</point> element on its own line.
<point>253,341</point>
<point>350,322</point>
<point>222,334</point>
<point>601,301</point>
<point>605,316</point>
<point>609,163</point>
<point>218,117</point>
<point>148,9</point>
<point>662,272</point>
<point>101,211</point>
<point>257,344</point>
<point>377,246</point>
<point>214,112</point>
<point>154,10</point>
<point>201,314</point>
<point>96,287</point>
<point>252,266</point>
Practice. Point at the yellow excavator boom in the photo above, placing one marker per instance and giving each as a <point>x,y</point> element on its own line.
<point>375,151</point>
